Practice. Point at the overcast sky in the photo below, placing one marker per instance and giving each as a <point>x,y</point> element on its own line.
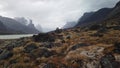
<point>51,13</point>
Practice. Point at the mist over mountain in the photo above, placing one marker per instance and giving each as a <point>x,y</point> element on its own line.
<point>69,25</point>
<point>29,23</point>
<point>51,14</point>
<point>15,27</point>
<point>22,20</point>
<point>38,27</point>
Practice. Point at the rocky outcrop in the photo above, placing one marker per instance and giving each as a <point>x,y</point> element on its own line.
<point>41,52</point>
<point>44,37</point>
<point>30,47</point>
<point>108,61</point>
<point>117,48</point>
<point>92,17</point>
<point>5,55</point>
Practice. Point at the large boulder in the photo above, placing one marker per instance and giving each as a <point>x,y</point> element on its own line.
<point>95,27</point>
<point>97,34</point>
<point>50,44</point>
<point>1,51</point>
<point>28,48</point>
<point>50,65</point>
<point>117,48</point>
<point>41,52</point>
<point>6,54</point>
<point>108,61</point>
<point>78,46</point>
<point>58,30</point>
<point>44,37</point>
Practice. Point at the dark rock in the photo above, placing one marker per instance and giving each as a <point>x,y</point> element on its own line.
<point>118,4</point>
<point>108,61</point>
<point>68,37</point>
<point>59,36</point>
<point>102,30</point>
<point>9,47</point>
<point>41,52</point>
<point>13,61</point>
<point>117,45</point>
<point>58,30</point>
<point>49,45</point>
<point>63,41</point>
<point>44,37</point>
<point>19,43</point>
<point>97,35</point>
<point>77,30</point>
<point>117,48</point>
<point>50,65</point>
<point>30,47</point>
<point>15,43</point>
<point>115,27</point>
<point>95,27</point>
<point>5,55</point>
<point>78,46</point>
<point>63,66</point>
<point>1,51</point>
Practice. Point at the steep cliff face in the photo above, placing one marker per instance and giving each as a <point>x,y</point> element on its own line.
<point>100,15</point>
<point>94,16</point>
<point>22,20</point>
<point>86,16</point>
<point>2,27</point>
<point>115,12</point>
<point>32,27</point>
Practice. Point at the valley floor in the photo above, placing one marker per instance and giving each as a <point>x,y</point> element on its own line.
<point>71,48</point>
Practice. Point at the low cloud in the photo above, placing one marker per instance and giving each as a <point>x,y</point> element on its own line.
<point>51,13</point>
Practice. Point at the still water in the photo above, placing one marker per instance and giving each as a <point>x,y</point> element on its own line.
<point>15,36</point>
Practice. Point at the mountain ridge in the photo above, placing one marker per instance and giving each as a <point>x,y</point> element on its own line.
<point>14,26</point>
<point>99,15</point>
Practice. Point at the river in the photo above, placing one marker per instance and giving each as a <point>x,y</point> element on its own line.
<point>15,36</point>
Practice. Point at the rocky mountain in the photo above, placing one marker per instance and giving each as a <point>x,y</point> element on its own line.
<point>28,23</point>
<point>85,16</point>
<point>115,11</point>
<point>94,46</point>
<point>99,15</point>
<point>16,27</point>
<point>31,25</point>
<point>22,20</point>
<point>2,28</point>
<point>69,25</point>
